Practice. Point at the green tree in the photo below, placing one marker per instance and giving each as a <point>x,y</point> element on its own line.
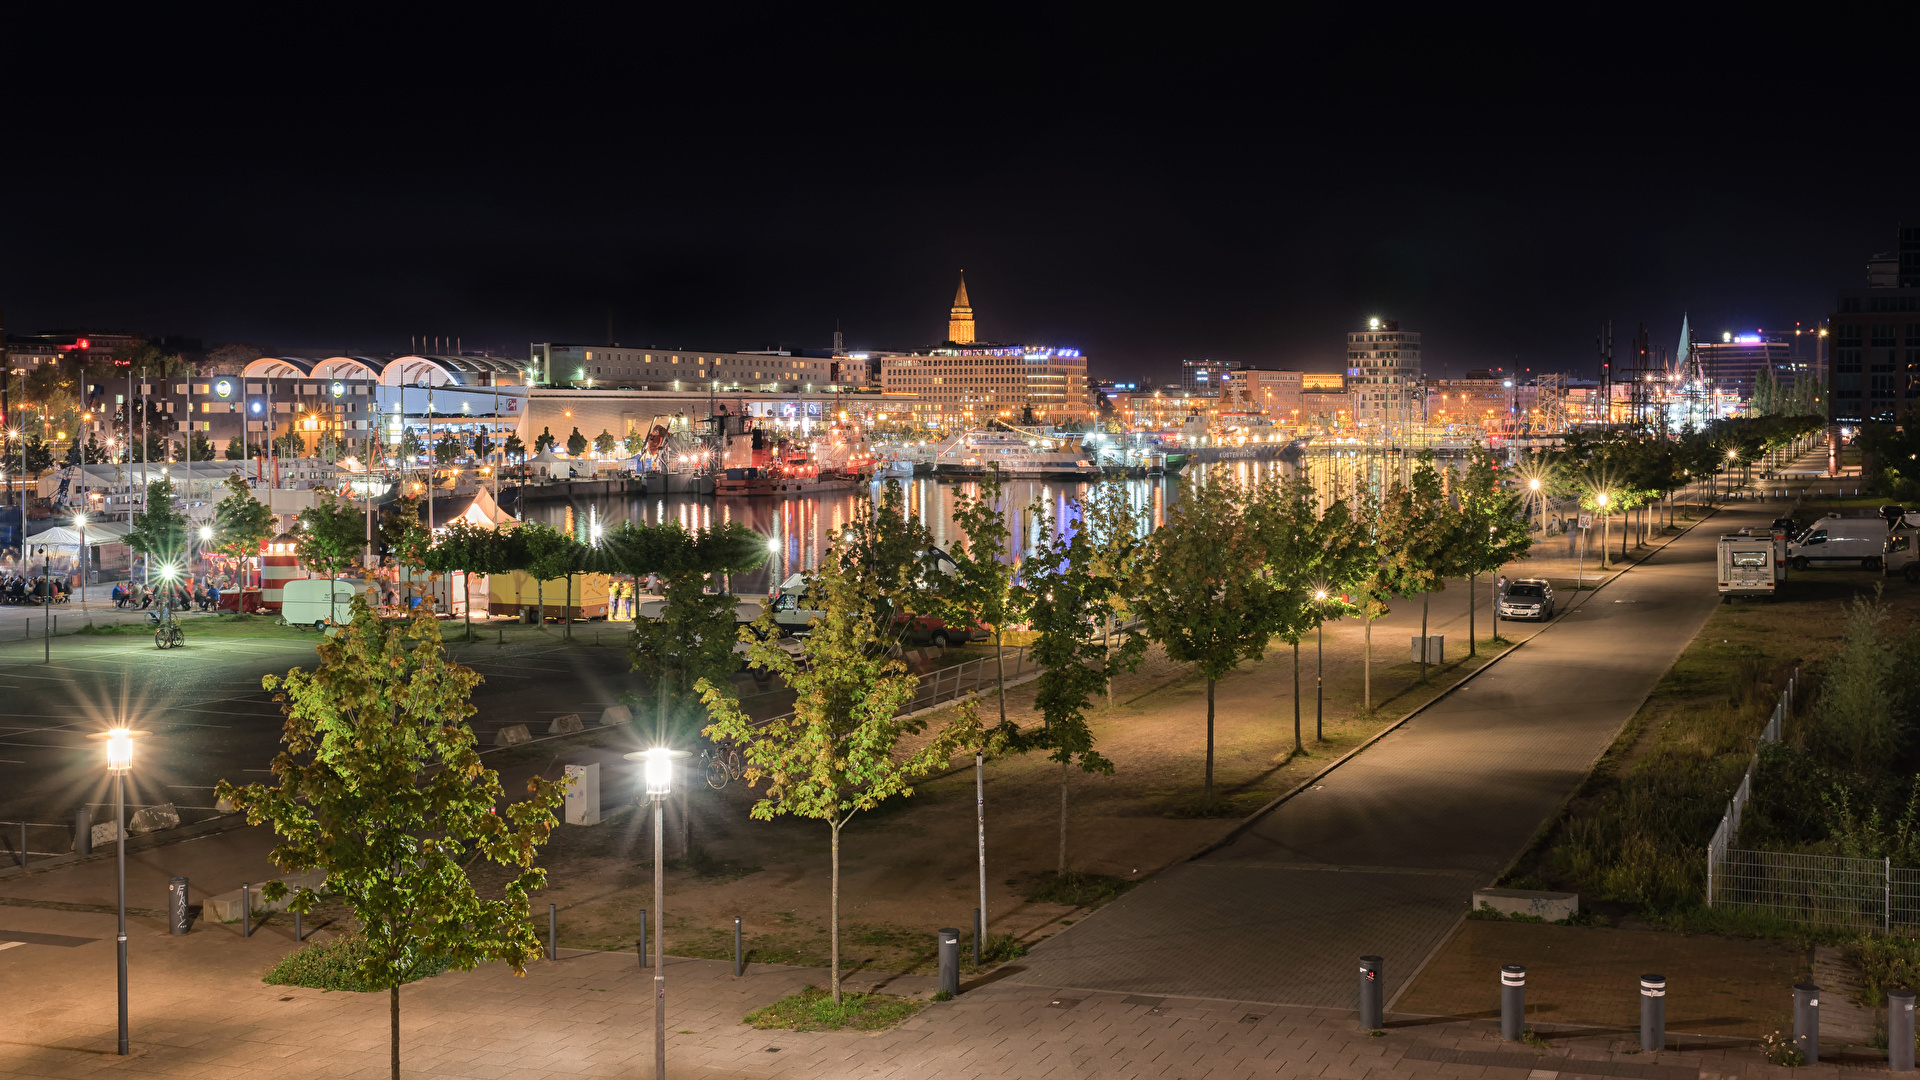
<point>482,446</point>
<point>603,443</point>
<point>1299,548</point>
<point>403,538</point>
<point>635,441</point>
<point>241,523</point>
<point>694,637</point>
<point>513,448</point>
<point>839,752</point>
<point>1205,599</point>
<point>980,589</point>
<point>550,555</point>
<point>1856,721</point>
<point>1425,532</point>
<point>160,533</point>
<point>157,446</point>
<point>465,547</point>
<point>202,447</point>
<point>446,449</point>
<point>410,446</point>
<point>544,441</point>
<point>576,443</point>
<point>1117,538</point>
<point>1493,530</point>
<point>331,536</point>
<point>1368,595</point>
<point>236,449</point>
<point>39,454</point>
<point>1067,577</point>
<point>381,786</point>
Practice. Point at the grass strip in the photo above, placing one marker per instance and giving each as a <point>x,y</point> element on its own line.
<point>812,1009</point>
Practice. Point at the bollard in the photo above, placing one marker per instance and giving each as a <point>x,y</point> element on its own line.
<point>1806,1020</point>
<point>949,939</point>
<point>1513,1001</point>
<point>1900,1030</point>
<point>643,937</point>
<point>23,843</point>
<point>737,956</point>
<point>1653,1012</point>
<point>976,938</point>
<point>299,931</point>
<point>246,909</point>
<point>1371,1002</point>
<point>553,931</point>
<point>83,830</point>
<point>177,905</point>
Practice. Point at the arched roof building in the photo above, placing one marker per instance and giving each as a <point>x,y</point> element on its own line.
<point>409,370</point>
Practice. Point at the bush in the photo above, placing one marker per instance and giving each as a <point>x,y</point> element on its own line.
<point>812,1009</point>
<point>333,965</point>
<point>1076,890</point>
<point>1887,963</point>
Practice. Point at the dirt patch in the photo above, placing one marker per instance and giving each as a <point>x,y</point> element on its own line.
<point>1590,977</point>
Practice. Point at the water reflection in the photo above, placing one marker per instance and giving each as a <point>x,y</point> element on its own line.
<point>804,525</point>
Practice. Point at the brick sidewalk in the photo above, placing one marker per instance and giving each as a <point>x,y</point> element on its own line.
<point>199,1011</point>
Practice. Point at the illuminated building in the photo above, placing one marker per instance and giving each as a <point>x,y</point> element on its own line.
<point>966,381</point>
<point>1732,364</point>
<point>1481,400</point>
<point>1383,370</point>
<point>613,367</point>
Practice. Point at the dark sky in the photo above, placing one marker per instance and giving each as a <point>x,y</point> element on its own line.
<point>1143,183</point>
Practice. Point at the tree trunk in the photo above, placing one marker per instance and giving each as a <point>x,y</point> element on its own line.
<point>1000,673</point>
<point>540,597</point>
<point>393,1000</point>
<point>1209,800</point>
<point>1106,644</point>
<point>1297,748</point>
<point>466,585</point>
<point>1063,821</point>
<point>834,915</point>
<point>566,613</point>
<point>1473,642</point>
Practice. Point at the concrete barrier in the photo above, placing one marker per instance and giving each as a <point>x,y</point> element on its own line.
<point>228,906</point>
<point>150,818</point>
<point>512,733</point>
<point>1551,906</point>
<point>563,725</point>
<point>615,714</point>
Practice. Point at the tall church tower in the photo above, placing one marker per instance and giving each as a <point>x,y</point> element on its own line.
<point>960,319</point>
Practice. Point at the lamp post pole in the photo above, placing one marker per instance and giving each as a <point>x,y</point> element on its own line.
<point>658,774</point>
<point>119,761</point>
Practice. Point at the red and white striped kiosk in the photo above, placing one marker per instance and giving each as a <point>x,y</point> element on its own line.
<point>279,564</point>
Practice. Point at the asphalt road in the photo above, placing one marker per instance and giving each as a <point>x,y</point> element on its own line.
<point>1383,855</point>
<point>211,720</point>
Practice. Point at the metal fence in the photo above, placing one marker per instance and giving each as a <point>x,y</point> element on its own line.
<point>1818,890</point>
<point>941,685</point>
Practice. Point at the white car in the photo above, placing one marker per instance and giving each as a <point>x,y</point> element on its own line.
<point>1527,598</point>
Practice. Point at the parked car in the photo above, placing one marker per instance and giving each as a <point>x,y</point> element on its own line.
<point>1838,541</point>
<point>1527,598</point>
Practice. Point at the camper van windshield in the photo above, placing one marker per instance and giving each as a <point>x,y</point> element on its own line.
<point>1749,558</point>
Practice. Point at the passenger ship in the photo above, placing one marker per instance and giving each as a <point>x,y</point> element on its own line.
<point>980,453</point>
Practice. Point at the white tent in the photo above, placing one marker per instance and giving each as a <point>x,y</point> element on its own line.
<point>556,467</point>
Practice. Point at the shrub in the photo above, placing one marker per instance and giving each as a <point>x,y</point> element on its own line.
<point>330,965</point>
<point>1076,890</point>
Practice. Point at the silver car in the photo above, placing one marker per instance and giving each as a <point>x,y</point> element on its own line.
<point>1527,598</point>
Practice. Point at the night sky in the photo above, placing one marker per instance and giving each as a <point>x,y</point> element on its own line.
<point>1144,184</point>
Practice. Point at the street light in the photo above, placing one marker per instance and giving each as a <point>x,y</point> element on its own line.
<point>80,522</point>
<point>658,774</point>
<point>119,761</point>
<point>1606,521</point>
<point>1319,665</point>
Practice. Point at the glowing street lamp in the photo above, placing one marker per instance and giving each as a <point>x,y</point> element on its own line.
<point>657,772</point>
<point>119,762</point>
<point>1606,520</point>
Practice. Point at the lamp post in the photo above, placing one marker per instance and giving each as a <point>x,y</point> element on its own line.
<point>1606,520</point>
<point>80,522</point>
<point>206,537</point>
<point>658,773</point>
<point>1319,665</point>
<point>1533,485</point>
<point>119,761</point>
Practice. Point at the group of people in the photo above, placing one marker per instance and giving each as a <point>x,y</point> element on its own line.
<point>22,589</point>
<point>180,597</point>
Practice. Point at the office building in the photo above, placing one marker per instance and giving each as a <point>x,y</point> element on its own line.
<point>1874,339</point>
<point>614,367</point>
<point>1205,376</point>
<point>1733,364</point>
<point>1481,399</point>
<point>1383,370</point>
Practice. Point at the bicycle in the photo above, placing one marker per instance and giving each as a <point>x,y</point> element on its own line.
<point>722,766</point>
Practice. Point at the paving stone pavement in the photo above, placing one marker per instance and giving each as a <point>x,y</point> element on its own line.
<point>1382,855</point>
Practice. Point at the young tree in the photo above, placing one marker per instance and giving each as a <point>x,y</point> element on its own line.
<point>1493,531</point>
<point>475,549</point>
<point>576,443</point>
<point>410,447</point>
<point>1298,556</point>
<point>202,447</point>
<point>331,536</point>
<point>381,786</point>
<point>241,523</point>
<point>482,445</point>
<point>513,448</point>
<point>839,752</point>
<point>550,554</point>
<point>635,441</point>
<point>695,635</point>
<point>1117,537</point>
<point>980,589</point>
<point>160,533</point>
<point>1369,595</point>
<point>1205,598</point>
<point>1425,532</point>
<point>236,449</point>
<point>446,450</point>
<point>603,443</point>
<point>1067,578</point>
<point>544,441</point>
<point>292,445</point>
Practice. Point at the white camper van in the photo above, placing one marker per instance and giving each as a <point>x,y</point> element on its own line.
<point>1748,566</point>
<point>1838,541</point>
<point>319,602</point>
